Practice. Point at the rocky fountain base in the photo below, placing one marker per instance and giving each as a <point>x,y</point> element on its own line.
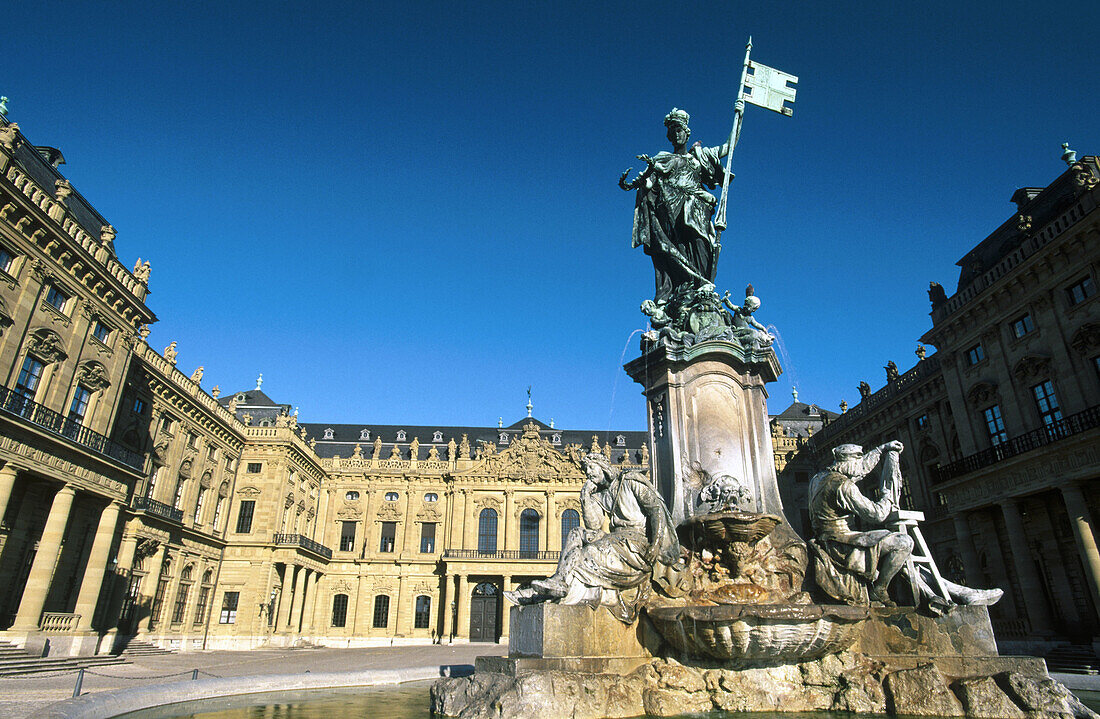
<point>579,663</point>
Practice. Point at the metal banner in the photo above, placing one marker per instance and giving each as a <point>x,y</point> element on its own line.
<point>769,88</point>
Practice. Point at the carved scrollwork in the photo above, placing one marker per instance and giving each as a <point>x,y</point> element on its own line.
<point>530,458</point>
<point>982,395</point>
<point>1086,341</point>
<point>429,514</point>
<point>223,490</point>
<point>342,586</point>
<point>185,468</point>
<point>530,503</point>
<point>146,548</point>
<point>486,502</point>
<point>46,345</point>
<point>1031,368</point>
<point>93,375</point>
<point>249,491</point>
<point>206,481</point>
<point>389,513</point>
<point>565,504</point>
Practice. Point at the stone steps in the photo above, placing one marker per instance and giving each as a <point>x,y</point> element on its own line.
<point>143,649</point>
<point>1073,659</point>
<point>15,662</point>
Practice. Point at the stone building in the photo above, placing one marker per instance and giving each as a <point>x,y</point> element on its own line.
<point>791,431</point>
<point>1002,424</point>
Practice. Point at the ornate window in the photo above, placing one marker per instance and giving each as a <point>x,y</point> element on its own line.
<point>1047,403</point>
<point>400,435</point>
<point>423,612</point>
<point>487,531</point>
<point>570,519</point>
<point>620,440</point>
<point>503,437</point>
<point>229,608</point>
<point>555,438</point>
<point>427,537</point>
<point>29,377</point>
<point>100,332</point>
<point>431,497</point>
<point>391,496</point>
<point>528,534</point>
<point>389,534</point>
<point>1022,326</point>
<point>351,496</point>
<point>56,299</point>
<point>339,610</point>
<point>381,611</point>
<point>79,406</point>
<point>995,426</point>
<point>328,433</point>
<point>437,436</point>
<point>364,434</point>
<point>975,354</point>
<point>1081,291</point>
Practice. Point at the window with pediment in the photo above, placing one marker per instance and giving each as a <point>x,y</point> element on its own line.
<point>364,434</point>
<point>328,433</point>
<point>400,435</point>
<point>437,436</point>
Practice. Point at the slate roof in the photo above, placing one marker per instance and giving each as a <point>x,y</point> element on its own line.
<point>800,418</point>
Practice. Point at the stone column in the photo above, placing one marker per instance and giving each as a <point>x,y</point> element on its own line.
<point>124,569</point>
<point>509,520</point>
<point>462,596</point>
<point>41,574</point>
<point>1025,568</point>
<point>547,519</point>
<point>299,596</point>
<point>309,601</point>
<point>1081,520</point>
<point>149,588</point>
<point>966,548</point>
<point>506,608</point>
<point>90,585</point>
<point>7,480</point>
<point>286,596</point>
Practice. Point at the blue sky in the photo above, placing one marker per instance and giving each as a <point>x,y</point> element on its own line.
<point>408,213</point>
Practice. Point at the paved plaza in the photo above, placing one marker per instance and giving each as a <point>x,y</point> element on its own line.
<point>26,696</point>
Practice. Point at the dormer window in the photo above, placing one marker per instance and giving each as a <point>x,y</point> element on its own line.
<point>814,411</point>
<point>555,439</point>
<point>391,496</point>
<point>504,438</point>
<point>364,434</point>
<point>328,433</point>
<point>620,441</point>
<point>400,435</point>
<point>240,397</point>
<point>437,436</point>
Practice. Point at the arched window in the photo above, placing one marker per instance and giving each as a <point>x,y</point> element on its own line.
<point>381,611</point>
<point>340,610</point>
<point>528,534</point>
<point>423,614</point>
<point>487,531</point>
<point>570,519</point>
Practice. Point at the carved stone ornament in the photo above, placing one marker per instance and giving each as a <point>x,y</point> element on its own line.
<point>429,514</point>
<point>47,346</point>
<point>530,458</point>
<point>530,503</point>
<point>341,586</point>
<point>1083,176</point>
<point>487,502</point>
<point>424,588</point>
<point>93,375</point>
<point>9,137</point>
<point>249,491</point>
<point>185,468</point>
<point>206,481</point>
<point>982,395</point>
<point>350,510</point>
<point>565,504</point>
<point>160,452</point>
<point>1086,341</point>
<point>389,513</point>
<point>223,490</point>
<point>1031,368</point>
<point>146,548</point>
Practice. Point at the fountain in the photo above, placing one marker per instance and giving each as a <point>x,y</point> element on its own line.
<point>686,590</point>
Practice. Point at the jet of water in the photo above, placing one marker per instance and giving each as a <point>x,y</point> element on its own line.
<point>615,383</point>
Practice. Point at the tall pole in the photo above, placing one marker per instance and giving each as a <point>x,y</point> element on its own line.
<point>735,134</point>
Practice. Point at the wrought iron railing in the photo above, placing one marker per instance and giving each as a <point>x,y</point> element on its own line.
<point>499,554</point>
<point>303,542</point>
<point>152,506</point>
<point>18,405</point>
<point>1065,427</point>
<point>58,621</point>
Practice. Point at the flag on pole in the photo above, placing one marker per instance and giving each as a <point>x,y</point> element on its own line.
<point>769,88</point>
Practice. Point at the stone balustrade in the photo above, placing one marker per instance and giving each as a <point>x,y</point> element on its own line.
<point>58,621</point>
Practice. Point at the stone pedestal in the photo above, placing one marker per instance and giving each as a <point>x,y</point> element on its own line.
<point>708,409</point>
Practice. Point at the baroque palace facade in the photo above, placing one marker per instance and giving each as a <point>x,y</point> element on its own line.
<point>136,505</point>
<point>1002,424</point>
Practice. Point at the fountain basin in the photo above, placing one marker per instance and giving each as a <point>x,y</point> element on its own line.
<point>719,529</point>
<point>760,632</point>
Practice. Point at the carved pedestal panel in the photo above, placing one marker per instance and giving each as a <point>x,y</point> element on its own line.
<point>708,411</point>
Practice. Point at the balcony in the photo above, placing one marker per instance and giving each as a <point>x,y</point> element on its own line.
<point>152,506</point>
<point>304,542</point>
<point>16,404</point>
<point>1063,428</point>
<point>499,554</point>
<point>58,621</point>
